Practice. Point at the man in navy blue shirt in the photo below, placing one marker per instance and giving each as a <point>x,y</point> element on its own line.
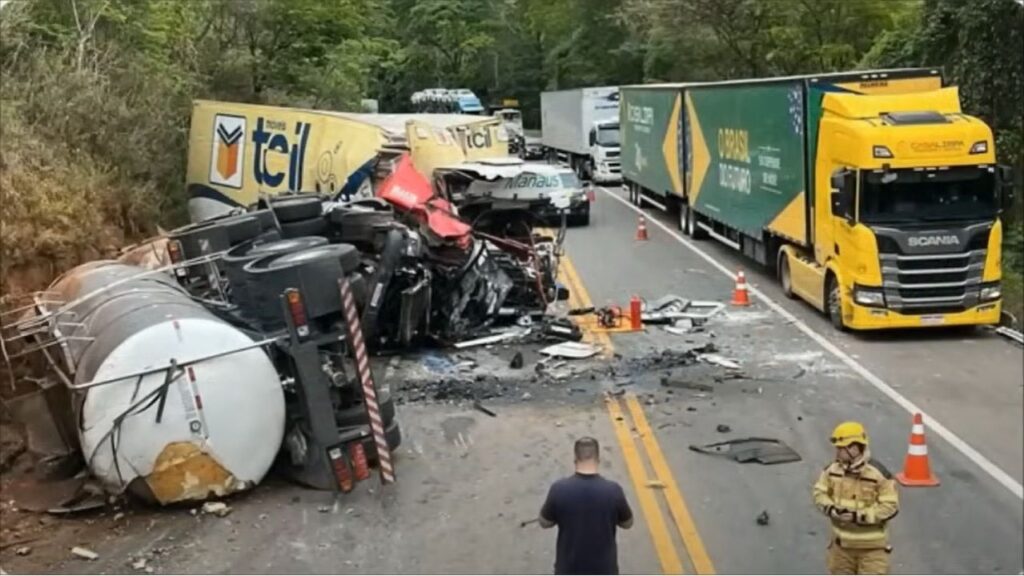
<point>587,510</point>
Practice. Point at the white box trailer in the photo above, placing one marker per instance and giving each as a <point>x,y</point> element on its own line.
<point>582,126</point>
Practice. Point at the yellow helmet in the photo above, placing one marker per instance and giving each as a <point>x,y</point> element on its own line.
<point>849,433</point>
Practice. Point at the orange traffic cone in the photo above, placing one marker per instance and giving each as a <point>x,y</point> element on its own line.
<point>739,295</point>
<point>641,229</point>
<point>916,470</point>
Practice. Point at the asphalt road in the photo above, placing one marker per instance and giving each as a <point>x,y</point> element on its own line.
<point>970,382</point>
<point>467,480</point>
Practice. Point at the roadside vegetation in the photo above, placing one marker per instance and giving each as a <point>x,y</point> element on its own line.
<point>96,94</point>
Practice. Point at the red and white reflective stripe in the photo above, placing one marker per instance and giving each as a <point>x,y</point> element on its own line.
<point>917,429</point>
<point>741,281</point>
<point>918,450</point>
<point>358,344</point>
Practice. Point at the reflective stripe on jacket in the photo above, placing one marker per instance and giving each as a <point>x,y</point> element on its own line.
<point>865,491</point>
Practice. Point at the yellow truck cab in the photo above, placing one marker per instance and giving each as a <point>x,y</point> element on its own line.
<point>906,228</point>
<point>871,193</point>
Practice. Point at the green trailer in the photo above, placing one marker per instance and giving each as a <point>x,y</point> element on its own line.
<point>733,159</point>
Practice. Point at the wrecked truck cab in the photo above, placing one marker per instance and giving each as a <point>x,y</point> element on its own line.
<point>499,189</point>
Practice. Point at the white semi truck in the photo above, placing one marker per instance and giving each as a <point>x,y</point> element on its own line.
<point>581,127</point>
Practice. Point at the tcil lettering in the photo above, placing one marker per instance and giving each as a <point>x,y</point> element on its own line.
<point>272,137</point>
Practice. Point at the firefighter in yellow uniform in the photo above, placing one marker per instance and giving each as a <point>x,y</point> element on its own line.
<point>859,497</point>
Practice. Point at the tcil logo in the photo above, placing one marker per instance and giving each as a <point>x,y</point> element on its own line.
<point>938,240</point>
<point>272,144</point>
<point>478,139</point>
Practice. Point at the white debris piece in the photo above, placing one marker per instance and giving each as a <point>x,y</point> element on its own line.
<point>139,564</point>
<point>84,553</point>
<point>720,361</point>
<point>574,350</point>
<point>23,551</point>
<point>219,508</point>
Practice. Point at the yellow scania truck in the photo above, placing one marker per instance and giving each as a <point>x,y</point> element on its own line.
<point>872,194</point>
<point>238,152</point>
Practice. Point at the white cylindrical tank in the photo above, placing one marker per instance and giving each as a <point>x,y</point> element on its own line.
<point>214,429</point>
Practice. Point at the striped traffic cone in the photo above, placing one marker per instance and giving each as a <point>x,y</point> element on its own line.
<point>916,470</point>
<point>641,229</point>
<point>739,295</point>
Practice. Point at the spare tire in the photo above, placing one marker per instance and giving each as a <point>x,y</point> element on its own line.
<point>241,228</point>
<point>238,257</point>
<point>310,227</point>
<point>295,208</point>
<point>313,271</point>
<point>356,414</point>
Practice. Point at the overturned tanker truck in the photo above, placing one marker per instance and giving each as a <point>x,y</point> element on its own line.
<point>192,379</point>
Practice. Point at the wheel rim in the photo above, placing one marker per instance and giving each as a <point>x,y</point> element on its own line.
<point>833,301</point>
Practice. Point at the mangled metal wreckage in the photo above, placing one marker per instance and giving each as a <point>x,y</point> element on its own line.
<point>191,379</point>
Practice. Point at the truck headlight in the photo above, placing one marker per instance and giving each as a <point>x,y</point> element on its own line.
<point>991,291</point>
<point>868,296</point>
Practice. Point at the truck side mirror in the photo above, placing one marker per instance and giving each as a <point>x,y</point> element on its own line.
<point>1006,191</point>
<point>593,136</point>
<point>843,184</point>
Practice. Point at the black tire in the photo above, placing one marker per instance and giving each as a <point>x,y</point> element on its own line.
<point>785,279</point>
<point>312,227</point>
<point>683,209</point>
<point>696,232</point>
<point>356,415</point>
<point>833,304</point>
<point>296,208</point>
<point>393,436</point>
<point>580,218</point>
<point>242,228</point>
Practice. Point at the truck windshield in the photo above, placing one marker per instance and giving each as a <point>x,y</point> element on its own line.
<point>608,137</point>
<point>903,196</point>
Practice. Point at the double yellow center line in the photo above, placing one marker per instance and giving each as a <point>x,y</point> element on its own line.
<point>652,490</point>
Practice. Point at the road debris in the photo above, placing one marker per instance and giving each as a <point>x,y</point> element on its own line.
<point>743,450</point>
<point>573,350</point>
<point>658,484</point>
<point>84,553</point>
<point>678,382</point>
<point>23,551</point>
<point>492,339</point>
<point>139,564</point>
<point>526,523</point>
<point>484,409</point>
<point>719,360</point>
<point>723,428</point>
<point>1011,334</point>
<point>763,519</point>
<point>517,361</point>
<point>218,509</point>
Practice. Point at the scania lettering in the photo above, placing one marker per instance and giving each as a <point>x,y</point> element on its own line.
<point>873,196</point>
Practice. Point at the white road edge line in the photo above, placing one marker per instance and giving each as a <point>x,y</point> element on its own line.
<point>945,433</point>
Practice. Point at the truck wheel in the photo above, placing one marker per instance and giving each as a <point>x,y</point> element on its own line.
<point>684,219</point>
<point>695,231</point>
<point>315,226</point>
<point>833,304</point>
<point>297,208</point>
<point>784,276</point>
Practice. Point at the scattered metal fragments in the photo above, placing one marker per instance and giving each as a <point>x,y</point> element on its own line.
<point>680,382</point>
<point>743,450</point>
<point>763,519</point>
<point>84,553</point>
<point>1010,333</point>
<point>485,409</point>
<point>492,339</point>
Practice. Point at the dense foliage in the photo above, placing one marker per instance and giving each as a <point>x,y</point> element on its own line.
<point>96,94</point>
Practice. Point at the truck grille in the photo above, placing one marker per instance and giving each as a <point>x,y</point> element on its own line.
<point>611,154</point>
<point>933,283</point>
